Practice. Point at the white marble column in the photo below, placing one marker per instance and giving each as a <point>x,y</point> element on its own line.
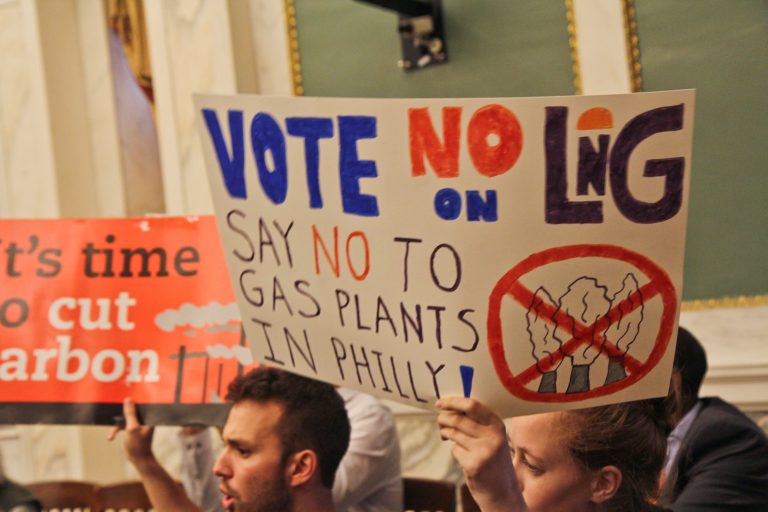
<point>101,115</point>
<point>59,150</point>
<point>59,156</point>
<point>29,185</point>
<point>216,47</point>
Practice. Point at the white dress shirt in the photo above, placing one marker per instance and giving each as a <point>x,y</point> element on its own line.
<point>675,438</point>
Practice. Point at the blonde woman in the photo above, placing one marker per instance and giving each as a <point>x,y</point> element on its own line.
<point>603,459</point>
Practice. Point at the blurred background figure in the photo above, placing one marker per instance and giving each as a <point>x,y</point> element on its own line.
<point>717,457</point>
<point>14,497</point>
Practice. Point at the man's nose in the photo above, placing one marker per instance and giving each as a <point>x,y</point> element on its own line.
<point>222,468</point>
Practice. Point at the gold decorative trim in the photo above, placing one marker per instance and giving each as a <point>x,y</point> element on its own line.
<point>127,20</point>
<point>573,42</point>
<point>293,48</point>
<point>726,302</point>
<point>632,43</point>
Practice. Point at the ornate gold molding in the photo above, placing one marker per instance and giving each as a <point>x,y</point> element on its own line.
<point>126,19</point>
<point>573,42</point>
<point>293,48</point>
<point>632,44</point>
<point>726,302</point>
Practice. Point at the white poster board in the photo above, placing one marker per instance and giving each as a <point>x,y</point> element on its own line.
<point>525,251</point>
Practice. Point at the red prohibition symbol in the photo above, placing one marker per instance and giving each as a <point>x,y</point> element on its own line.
<point>509,285</point>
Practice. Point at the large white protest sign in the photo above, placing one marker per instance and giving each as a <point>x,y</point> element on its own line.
<point>525,251</point>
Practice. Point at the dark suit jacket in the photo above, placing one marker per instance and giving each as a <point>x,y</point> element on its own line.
<point>13,495</point>
<point>722,464</point>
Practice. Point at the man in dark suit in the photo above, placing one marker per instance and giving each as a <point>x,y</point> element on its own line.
<point>718,457</point>
<point>14,497</point>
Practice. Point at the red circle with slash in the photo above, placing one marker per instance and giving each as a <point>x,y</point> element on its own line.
<point>659,284</point>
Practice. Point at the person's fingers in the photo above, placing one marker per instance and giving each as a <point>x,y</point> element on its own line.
<point>468,406</point>
<point>447,418</point>
<point>481,414</point>
<point>112,434</point>
<point>129,411</point>
<point>458,438</point>
<point>452,403</point>
<point>461,422</point>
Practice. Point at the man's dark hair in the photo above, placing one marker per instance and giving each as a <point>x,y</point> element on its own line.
<point>691,362</point>
<point>313,417</point>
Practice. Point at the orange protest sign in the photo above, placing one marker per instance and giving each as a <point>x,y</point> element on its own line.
<point>94,310</point>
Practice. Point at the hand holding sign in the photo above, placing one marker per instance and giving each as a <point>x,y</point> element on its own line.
<point>481,449</point>
<point>163,491</point>
<point>138,438</point>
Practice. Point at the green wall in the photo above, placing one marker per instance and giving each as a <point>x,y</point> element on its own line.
<point>496,48</point>
<point>720,48</point>
<point>520,48</point>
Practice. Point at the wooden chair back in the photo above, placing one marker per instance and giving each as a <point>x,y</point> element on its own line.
<point>425,495</point>
<point>124,496</point>
<point>66,495</point>
<point>468,503</point>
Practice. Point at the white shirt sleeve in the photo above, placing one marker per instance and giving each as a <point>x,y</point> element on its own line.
<point>369,477</point>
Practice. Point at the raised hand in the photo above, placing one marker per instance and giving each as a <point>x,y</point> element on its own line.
<point>137,438</point>
<point>163,491</point>
<point>480,447</point>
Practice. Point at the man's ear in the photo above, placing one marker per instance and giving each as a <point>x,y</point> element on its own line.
<point>676,402</point>
<point>301,467</point>
<point>605,483</point>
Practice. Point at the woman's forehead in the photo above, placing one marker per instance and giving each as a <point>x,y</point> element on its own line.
<point>536,430</point>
